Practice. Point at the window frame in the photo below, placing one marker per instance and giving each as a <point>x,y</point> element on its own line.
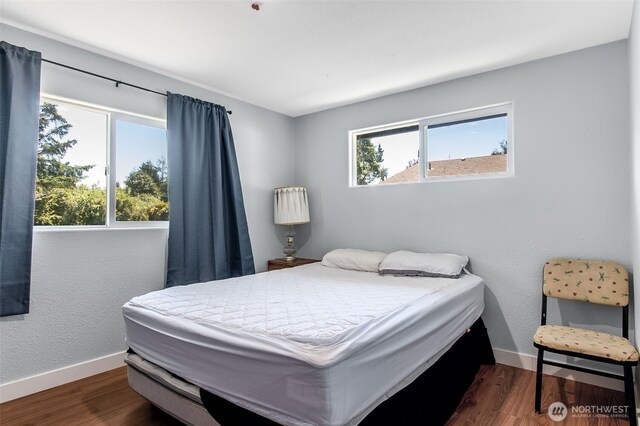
<point>112,115</point>
<point>423,145</point>
<point>353,155</point>
<point>111,196</point>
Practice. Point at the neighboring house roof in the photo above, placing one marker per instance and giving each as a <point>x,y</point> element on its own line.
<point>464,166</point>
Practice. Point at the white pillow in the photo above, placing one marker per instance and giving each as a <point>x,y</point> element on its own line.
<point>354,259</point>
<point>410,264</point>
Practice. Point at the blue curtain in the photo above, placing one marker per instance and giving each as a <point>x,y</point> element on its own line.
<point>19,114</point>
<point>208,233</point>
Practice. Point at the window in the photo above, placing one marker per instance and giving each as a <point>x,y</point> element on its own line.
<point>470,144</point>
<point>140,172</point>
<point>386,152</point>
<point>99,167</point>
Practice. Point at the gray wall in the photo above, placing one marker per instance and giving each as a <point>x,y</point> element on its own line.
<point>569,196</point>
<point>634,114</point>
<point>81,279</point>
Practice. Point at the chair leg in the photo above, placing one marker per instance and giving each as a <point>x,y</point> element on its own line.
<point>630,394</point>
<point>539,380</point>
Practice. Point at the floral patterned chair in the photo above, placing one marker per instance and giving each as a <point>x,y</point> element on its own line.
<point>605,283</point>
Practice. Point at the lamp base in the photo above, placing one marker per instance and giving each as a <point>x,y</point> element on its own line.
<point>289,250</point>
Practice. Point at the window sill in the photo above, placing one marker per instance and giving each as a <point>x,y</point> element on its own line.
<point>98,228</point>
<point>438,179</point>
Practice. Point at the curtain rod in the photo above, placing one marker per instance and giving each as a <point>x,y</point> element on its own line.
<point>117,82</point>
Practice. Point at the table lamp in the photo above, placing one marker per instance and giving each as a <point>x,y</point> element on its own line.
<point>290,207</point>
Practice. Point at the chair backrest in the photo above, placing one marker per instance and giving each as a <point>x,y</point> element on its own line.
<point>605,283</point>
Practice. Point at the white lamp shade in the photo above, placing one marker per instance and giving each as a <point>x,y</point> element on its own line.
<point>290,205</point>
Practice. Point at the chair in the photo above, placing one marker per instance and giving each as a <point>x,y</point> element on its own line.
<point>605,283</point>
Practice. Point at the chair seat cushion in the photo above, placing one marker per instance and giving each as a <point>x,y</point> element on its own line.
<point>586,342</point>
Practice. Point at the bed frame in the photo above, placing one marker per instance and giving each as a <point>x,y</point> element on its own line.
<point>429,399</point>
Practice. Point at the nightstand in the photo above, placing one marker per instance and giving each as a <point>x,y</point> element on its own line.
<point>280,263</point>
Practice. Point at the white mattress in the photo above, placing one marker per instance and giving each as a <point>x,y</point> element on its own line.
<point>305,345</point>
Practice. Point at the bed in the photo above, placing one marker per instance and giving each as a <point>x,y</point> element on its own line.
<point>310,345</point>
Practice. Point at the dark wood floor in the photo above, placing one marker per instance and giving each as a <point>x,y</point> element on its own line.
<point>500,395</point>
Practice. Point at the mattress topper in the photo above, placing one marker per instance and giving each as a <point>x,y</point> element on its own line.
<point>311,304</point>
<point>299,345</point>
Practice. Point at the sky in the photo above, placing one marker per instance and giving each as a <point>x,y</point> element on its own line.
<point>135,143</point>
<point>90,129</point>
<point>473,139</point>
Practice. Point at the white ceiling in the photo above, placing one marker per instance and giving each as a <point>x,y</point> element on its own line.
<point>298,57</point>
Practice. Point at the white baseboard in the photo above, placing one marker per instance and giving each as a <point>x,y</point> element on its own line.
<point>528,362</point>
<point>51,379</point>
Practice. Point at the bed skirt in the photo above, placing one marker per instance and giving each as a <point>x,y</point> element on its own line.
<point>430,399</point>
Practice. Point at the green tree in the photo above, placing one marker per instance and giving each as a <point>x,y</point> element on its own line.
<point>141,207</point>
<point>149,179</point>
<point>163,184</point>
<point>140,183</point>
<point>73,206</point>
<point>55,178</point>
<point>369,162</point>
<point>501,149</point>
<point>83,206</point>
<point>52,147</point>
<point>145,194</point>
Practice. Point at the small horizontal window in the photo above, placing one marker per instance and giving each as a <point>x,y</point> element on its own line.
<point>468,144</point>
